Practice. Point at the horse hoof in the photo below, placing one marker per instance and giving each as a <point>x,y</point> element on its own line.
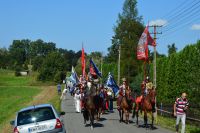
<point>91,127</point>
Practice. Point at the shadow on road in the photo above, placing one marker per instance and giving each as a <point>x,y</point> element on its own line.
<point>95,125</point>
<point>102,119</point>
<point>148,127</point>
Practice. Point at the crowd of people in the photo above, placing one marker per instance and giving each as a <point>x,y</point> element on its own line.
<point>78,91</point>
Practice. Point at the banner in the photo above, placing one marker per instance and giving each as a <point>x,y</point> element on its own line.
<point>94,69</point>
<point>142,48</point>
<point>112,84</point>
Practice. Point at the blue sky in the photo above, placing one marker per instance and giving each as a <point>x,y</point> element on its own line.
<point>68,23</point>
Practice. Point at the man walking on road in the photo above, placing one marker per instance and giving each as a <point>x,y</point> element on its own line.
<point>180,106</point>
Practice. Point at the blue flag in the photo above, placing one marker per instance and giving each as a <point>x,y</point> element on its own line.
<point>96,70</point>
<point>74,78</point>
<point>112,84</point>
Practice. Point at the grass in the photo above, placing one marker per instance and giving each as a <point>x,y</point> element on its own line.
<point>169,123</point>
<point>14,98</point>
<point>20,92</point>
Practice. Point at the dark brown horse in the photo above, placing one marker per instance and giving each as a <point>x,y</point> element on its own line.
<point>89,111</point>
<point>98,101</point>
<point>147,105</point>
<point>124,106</point>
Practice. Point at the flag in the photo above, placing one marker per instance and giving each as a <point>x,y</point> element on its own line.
<point>74,78</point>
<point>112,84</point>
<point>94,69</point>
<point>142,48</point>
<point>150,40</point>
<point>83,62</point>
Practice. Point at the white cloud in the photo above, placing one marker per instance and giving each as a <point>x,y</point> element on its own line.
<point>158,22</point>
<point>195,27</point>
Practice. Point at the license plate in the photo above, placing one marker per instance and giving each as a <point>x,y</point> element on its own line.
<point>37,128</point>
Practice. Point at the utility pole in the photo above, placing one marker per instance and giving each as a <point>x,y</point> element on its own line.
<point>154,62</point>
<point>154,59</point>
<point>119,65</point>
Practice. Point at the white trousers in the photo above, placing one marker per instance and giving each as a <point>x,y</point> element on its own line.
<point>182,118</point>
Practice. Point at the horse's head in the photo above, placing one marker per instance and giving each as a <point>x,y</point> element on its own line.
<point>89,85</point>
<point>152,95</point>
<point>128,93</point>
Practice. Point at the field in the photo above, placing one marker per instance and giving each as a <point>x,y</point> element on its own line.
<point>19,92</point>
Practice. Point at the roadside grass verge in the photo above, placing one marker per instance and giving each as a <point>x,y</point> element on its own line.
<point>14,98</point>
<point>170,123</point>
<point>20,92</point>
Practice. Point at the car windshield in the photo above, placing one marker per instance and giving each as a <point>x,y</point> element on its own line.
<point>35,115</point>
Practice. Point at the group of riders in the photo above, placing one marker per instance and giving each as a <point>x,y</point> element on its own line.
<point>90,87</point>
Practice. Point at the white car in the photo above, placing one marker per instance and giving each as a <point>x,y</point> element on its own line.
<point>38,118</point>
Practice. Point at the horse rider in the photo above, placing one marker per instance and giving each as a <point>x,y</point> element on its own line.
<point>122,91</point>
<point>149,85</point>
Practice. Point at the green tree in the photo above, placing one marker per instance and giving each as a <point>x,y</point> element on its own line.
<point>127,33</point>
<point>5,60</point>
<point>53,63</point>
<point>19,51</point>
<point>171,49</point>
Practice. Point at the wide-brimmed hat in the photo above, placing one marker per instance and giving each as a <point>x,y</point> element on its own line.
<point>124,79</point>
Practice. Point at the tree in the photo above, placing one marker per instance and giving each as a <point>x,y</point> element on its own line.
<point>127,33</point>
<point>171,49</point>
<point>53,63</point>
<point>19,51</point>
<point>5,60</point>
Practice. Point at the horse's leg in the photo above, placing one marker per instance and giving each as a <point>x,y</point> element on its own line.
<point>120,115</point>
<point>126,111</point>
<point>127,116</point>
<point>133,114</point>
<point>152,121</point>
<point>99,113</point>
<point>145,118</point>
<point>91,119</point>
<point>85,117</point>
<point>137,117</point>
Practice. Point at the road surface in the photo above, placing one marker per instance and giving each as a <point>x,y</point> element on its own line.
<point>109,123</point>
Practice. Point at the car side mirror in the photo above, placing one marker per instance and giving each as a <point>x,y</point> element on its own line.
<point>12,122</point>
<point>62,113</point>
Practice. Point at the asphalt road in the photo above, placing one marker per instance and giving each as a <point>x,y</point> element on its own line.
<point>109,123</point>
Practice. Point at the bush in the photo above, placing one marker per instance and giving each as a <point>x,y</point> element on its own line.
<point>59,77</point>
<point>17,71</point>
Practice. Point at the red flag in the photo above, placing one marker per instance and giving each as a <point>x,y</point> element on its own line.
<point>92,71</point>
<point>150,40</point>
<point>83,62</point>
<point>142,48</point>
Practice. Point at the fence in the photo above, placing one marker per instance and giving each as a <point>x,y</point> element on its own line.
<point>193,113</point>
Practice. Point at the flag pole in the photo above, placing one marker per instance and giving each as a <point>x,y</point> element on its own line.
<point>119,65</point>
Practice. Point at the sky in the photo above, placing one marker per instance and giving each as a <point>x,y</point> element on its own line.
<point>69,23</point>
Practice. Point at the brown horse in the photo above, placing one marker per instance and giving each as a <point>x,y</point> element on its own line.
<point>124,106</point>
<point>147,105</point>
<point>98,101</point>
<point>89,111</point>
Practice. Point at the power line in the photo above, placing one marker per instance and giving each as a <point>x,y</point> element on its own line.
<point>181,21</point>
<point>171,12</point>
<point>172,32</point>
<point>184,12</point>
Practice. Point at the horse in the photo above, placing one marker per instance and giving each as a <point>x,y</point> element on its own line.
<point>98,101</point>
<point>89,112</point>
<point>145,104</point>
<point>124,106</point>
